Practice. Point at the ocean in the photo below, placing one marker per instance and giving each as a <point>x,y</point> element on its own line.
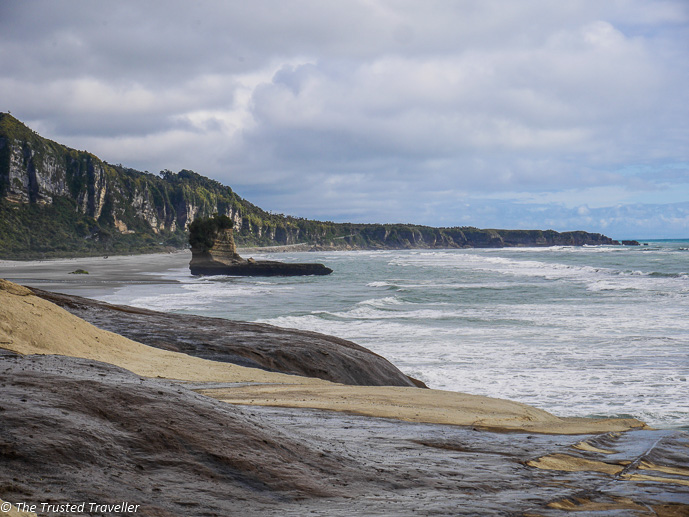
<point>577,331</point>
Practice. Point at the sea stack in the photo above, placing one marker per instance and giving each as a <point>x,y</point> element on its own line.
<point>213,252</point>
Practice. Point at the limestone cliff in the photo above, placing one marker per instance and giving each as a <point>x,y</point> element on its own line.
<point>57,201</point>
<point>223,251</point>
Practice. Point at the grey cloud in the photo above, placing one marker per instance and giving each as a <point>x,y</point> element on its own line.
<point>395,109</point>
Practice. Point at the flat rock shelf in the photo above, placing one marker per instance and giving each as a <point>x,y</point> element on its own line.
<point>261,268</point>
<point>158,443</point>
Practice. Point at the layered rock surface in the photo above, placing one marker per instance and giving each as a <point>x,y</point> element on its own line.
<point>78,430</point>
<point>254,345</point>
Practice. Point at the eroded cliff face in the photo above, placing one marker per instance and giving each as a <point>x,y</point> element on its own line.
<point>34,170</point>
<point>32,178</point>
<point>223,252</point>
<point>38,175</point>
<point>123,210</point>
<point>213,252</point>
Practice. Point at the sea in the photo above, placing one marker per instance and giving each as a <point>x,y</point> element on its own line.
<point>598,331</point>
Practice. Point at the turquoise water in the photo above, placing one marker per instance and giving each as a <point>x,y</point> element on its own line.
<point>576,331</point>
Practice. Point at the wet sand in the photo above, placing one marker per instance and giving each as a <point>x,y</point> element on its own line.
<point>104,274</point>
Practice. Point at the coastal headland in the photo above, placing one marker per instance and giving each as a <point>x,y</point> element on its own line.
<point>180,428</point>
<point>56,201</point>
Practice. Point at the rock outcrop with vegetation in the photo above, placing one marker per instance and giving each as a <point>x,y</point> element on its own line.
<point>213,252</point>
<point>57,201</point>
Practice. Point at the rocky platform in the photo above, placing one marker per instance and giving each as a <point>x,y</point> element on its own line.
<point>75,430</point>
<point>254,345</point>
<point>259,268</point>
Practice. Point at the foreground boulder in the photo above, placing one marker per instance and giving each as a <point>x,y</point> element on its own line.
<point>255,345</point>
<point>78,430</point>
<point>214,253</point>
<point>119,437</point>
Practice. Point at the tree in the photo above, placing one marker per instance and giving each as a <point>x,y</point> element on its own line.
<point>204,230</point>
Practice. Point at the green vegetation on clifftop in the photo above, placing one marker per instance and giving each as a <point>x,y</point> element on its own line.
<point>204,230</point>
<point>56,201</point>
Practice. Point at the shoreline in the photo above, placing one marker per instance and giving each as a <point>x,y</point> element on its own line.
<point>50,329</point>
<point>106,273</point>
<point>171,428</point>
<point>314,247</point>
<point>132,280</point>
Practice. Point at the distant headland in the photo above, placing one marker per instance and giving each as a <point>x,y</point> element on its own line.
<point>57,202</point>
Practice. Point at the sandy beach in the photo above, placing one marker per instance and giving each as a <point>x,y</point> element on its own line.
<point>105,271</point>
<point>108,273</point>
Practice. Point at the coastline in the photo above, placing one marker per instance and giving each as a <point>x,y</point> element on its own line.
<point>49,329</point>
<point>109,272</point>
<point>378,299</point>
<point>361,464</point>
<point>341,245</point>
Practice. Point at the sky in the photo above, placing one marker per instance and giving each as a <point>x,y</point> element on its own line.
<point>535,114</point>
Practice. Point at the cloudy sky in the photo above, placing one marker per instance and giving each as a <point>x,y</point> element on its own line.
<point>489,113</point>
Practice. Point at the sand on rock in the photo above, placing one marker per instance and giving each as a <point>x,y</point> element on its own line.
<point>32,325</point>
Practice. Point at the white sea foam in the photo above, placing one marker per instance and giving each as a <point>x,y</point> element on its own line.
<point>575,331</point>
<point>196,295</point>
<point>380,284</point>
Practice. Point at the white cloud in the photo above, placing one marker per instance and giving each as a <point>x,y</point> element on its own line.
<point>419,104</point>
